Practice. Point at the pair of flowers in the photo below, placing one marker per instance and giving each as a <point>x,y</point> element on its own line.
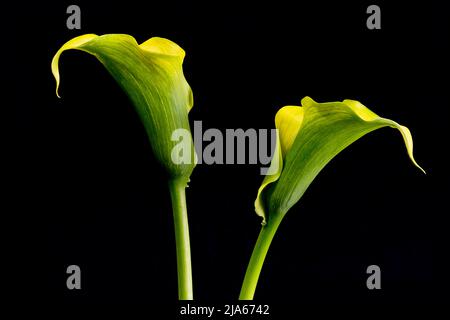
<point>308,137</point>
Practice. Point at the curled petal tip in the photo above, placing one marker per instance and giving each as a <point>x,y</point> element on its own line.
<point>75,43</point>
<point>420,168</point>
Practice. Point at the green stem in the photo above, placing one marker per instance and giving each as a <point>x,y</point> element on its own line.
<point>178,197</point>
<point>257,259</point>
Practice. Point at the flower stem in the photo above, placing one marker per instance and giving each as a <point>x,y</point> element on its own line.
<point>257,259</point>
<point>178,197</point>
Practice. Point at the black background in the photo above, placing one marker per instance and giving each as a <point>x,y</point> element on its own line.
<point>87,191</point>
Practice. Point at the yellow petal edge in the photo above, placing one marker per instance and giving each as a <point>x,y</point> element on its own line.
<point>74,43</point>
<point>288,121</point>
<point>154,45</point>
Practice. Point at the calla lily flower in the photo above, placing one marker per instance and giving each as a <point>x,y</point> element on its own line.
<point>151,74</point>
<point>308,138</point>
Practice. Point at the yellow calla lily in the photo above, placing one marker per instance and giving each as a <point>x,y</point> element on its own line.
<point>309,136</point>
<point>151,74</point>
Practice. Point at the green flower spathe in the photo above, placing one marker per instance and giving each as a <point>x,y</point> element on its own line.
<point>309,136</point>
<point>151,74</point>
